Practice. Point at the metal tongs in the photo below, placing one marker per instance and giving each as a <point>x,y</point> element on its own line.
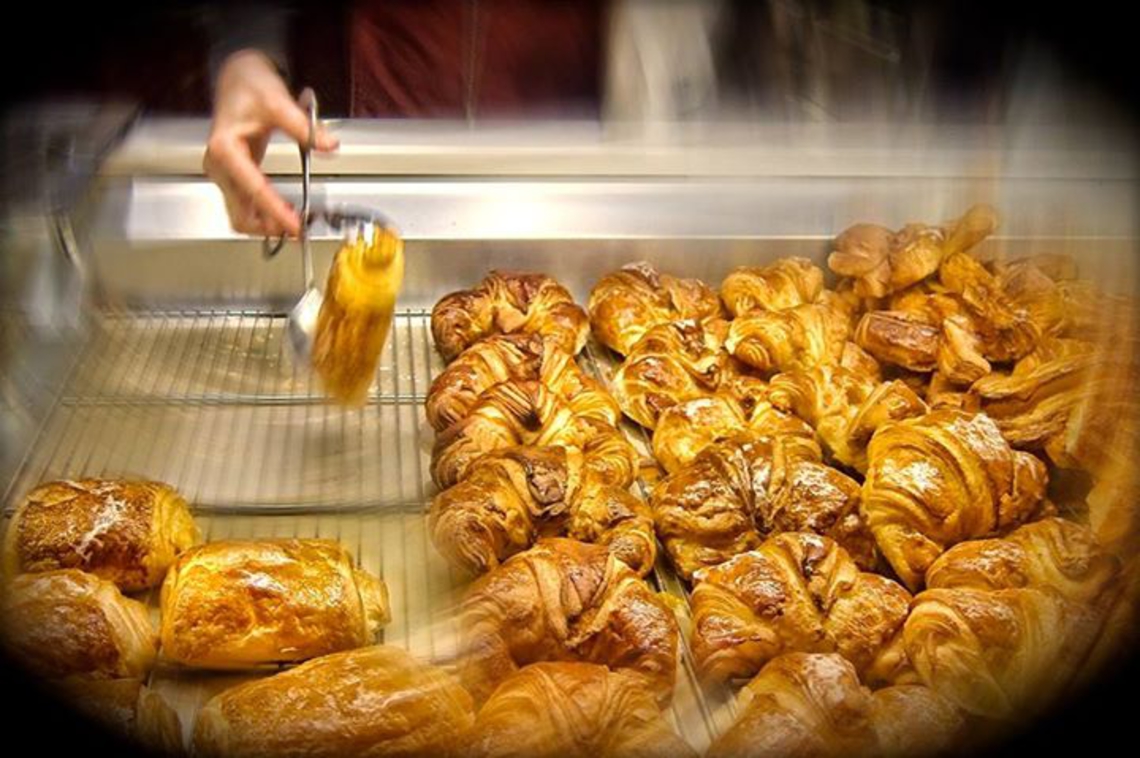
<point>303,318</point>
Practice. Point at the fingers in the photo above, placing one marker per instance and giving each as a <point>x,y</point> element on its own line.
<point>286,115</point>
<point>229,163</point>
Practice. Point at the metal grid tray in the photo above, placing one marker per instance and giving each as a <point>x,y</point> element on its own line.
<point>210,402</point>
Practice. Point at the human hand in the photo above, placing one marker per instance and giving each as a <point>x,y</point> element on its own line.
<point>252,101</point>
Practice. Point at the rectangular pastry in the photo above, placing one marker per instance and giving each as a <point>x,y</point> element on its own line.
<point>127,532</point>
<point>68,622</point>
<point>237,604</point>
<point>374,701</point>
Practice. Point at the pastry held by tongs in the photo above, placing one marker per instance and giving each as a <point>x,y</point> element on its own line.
<point>356,315</point>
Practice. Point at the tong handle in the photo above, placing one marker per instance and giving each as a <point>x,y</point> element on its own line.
<point>308,101</point>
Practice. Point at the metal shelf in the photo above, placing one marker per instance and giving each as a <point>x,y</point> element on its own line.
<point>211,402</point>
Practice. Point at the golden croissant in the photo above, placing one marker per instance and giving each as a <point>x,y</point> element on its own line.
<point>1008,624</point>
<point>939,479</point>
<point>500,358</point>
<point>128,532</point>
<point>510,498</point>
<point>373,701</point>
<point>686,429</point>
<point>671,363</point>
<point>564,600</point>
<point>799,337</point>
<point>508,302</point>
<point>529,413</point>
<point>797,592</point>
<point>784,284</point>
<point>748,486</point>
<point>882,262</point>
<point>242,603</point>
<point>844,406</point>
<point>70,623</point>
<point>578,710</point>
<point>627,303</point>
<point>356,313</point>
<point>813,704</point>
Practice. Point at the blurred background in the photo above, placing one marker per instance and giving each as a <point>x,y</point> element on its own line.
<point>769,121</point>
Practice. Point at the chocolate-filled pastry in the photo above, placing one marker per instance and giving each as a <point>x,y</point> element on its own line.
<point>512,497</point>
<point>127,707</point>
<point>579,710</point>
<point>787,283</point>
<point>508,302</point>
<point>242,603</point>
<point>528,413</point>
<point>805,704</point>
<point>943,478</point>
<point>373,701</point>
<point>501,358</point>
<point>68,622</point>
<point>797,592</point>
<point>563,600</point>
<point>124,531</point>
<point>627,303</point>
<point>750,485</point>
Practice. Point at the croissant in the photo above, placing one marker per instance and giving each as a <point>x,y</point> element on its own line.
<point>787,283</point>
<point>506,303</point>
<point>500,358</point>
<point>127,532</point>
<point>1052,554</point>
<point>797,592</point>
<point>671,363</point>
<point>509,498</point>
<point>574,709</point>
<point>627,303</point>
<point>799,337</point>
<point>373,701</point>
<point>998,654</point>
<point>740,490</point>
<point>882,262</point>
<point>528,413</point>
<point>685,429</point>
<point>1003,331</point>
<point>844,406</point>
<point>812,704</point>
<point>233,604</point>
<point>563,600</point>
<point>940,479</point>
<point>356,313</point>
<point>68,622</point>
<point>127,707</point>
<point>1042,287</point>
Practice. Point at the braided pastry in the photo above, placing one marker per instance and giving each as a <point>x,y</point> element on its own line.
<point>499,358</point>
<point>797,592</point>
<point>784,284</point>
<point>811,704</point>
<point>940,479</point>
<point>510,498</point>
<point>579,710</point>
<point>627,303</point>
<point>506,303</point>
<point>528,413</point>
<point>740,490</point>
<point>563,600</point>
<point>883,262</point>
